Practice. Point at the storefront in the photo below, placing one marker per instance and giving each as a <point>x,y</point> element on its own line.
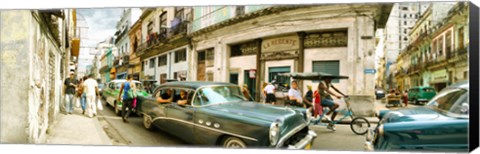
<point>339,46</point>
<point>439,79</point>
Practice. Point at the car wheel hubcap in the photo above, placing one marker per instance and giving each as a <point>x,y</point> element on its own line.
<point>235,144</point>
<point>146,122</point>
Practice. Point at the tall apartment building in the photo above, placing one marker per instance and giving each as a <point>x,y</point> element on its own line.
<point>401,21</point>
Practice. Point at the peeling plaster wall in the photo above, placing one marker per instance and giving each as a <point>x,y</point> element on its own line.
<point>30,78</point>
<point>14,57</point>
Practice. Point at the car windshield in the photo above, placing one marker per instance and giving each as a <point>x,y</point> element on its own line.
<point>452,101</point>
<point>218,95</point>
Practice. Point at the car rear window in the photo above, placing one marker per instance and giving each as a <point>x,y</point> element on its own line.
<point>428,90</point>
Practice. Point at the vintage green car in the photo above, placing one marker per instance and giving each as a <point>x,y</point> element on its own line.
<point>217,114</point>
<point>111,90</point>
<point>439,126</point>
<point>421,94</point>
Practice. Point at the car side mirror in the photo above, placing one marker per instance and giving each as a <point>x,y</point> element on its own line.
<point>465,108</point>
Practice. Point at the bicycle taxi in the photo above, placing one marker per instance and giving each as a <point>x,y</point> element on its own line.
<point>359,125</point>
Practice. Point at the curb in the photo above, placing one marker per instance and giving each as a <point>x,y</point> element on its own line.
<point>104,137</point>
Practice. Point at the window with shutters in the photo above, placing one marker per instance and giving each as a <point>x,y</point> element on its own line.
<point>162,60</point>
<point>329,67</point>
<point>181,56</point>
<point>152,62</point>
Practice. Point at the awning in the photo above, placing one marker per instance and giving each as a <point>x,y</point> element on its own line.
<point>113,70</point>
<point>75,47</point>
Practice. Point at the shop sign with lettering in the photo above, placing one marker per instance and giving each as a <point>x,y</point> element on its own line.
<point>280,44</point>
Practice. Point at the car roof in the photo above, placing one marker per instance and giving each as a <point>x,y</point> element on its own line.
<point>462,84</point>
<point>123,80</point>
<point>195,84</point>
<point>421,87</point>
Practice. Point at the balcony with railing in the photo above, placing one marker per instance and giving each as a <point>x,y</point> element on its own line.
<point>178,28</point>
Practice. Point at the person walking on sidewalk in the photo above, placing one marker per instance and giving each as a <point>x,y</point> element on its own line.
<point>69,93</point>
<point>326,99</point>
<point>270,93</point>
<point>91,91</point>
<point>81,94</point>
<point>294,95</point>
<point>127,102</point>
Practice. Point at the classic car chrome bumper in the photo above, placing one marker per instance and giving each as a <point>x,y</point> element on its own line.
<point>306,142</point>
<point>368,146</point>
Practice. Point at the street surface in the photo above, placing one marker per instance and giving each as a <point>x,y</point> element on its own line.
<point>134,134</point>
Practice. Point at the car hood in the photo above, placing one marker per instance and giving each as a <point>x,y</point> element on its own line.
<point>411,114</point>
<point>257,111</point>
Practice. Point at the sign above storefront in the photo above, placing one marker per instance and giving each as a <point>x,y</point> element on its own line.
<point>280,44</point>
<point>439,76</point>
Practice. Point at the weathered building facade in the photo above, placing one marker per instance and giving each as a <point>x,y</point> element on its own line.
<point>437,55</point>
<point>253,48</point>
<point>165,45</point>
<point>36,49</point>
<point>135,35</point>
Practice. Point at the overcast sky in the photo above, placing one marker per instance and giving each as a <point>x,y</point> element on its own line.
<point>98,24</point>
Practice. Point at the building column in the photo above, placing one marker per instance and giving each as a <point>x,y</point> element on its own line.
<point>259,71</point>
<point>301,57</point>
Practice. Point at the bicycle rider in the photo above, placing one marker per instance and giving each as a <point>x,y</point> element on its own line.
<point>327,100</point>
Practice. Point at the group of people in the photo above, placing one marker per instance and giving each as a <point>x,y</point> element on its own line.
<point>84,90</point>
<point>313,101</point>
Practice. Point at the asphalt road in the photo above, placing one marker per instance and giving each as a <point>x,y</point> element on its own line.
<point>134,134</point>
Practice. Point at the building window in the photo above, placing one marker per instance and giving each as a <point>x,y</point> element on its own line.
<point>181,55</point>
<point>329,67</point>
<point>405,31</point>
<point>405,8</point>
<point>448,43</point>
<point>162,60</point>
<point>460,38</point>
<point>411,16</point>
<point>434,48</point>
<point>440,46</point>
<point>179,13</point>
<point>150,28</point>
<point>465,75</point>
<point>152,63</point>
<point>235,50</point>
<point>405,23</point>
<point>143,66</point>
<point>163,23</point>
<point>405,16</point>
<point>405,39</point>
<point>209,57</point>
<point>280,81</point>
<point>416,16</point>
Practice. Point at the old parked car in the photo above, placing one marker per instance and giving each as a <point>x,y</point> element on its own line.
<point>112,89</point>
<point>440,125</point>
<point>218,114</point>
<point>421,94</point>
<point>379,93</point>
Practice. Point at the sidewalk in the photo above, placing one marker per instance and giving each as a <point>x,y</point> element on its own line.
<point>77,129</point>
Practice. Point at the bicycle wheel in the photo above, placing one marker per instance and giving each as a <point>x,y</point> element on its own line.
<point>360,125</point>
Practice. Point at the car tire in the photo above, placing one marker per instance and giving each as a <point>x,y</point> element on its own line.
<point>233,142</point>
<point>147,122</point>
<point>415,101</point>
<point>116,110</point>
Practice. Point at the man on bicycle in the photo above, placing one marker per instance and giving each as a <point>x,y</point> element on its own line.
<point>327,100</point>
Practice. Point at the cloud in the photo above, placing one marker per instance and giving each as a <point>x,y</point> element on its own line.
<point>101,22</point>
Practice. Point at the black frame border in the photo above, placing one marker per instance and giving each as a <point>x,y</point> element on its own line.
<point>473,76</point>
